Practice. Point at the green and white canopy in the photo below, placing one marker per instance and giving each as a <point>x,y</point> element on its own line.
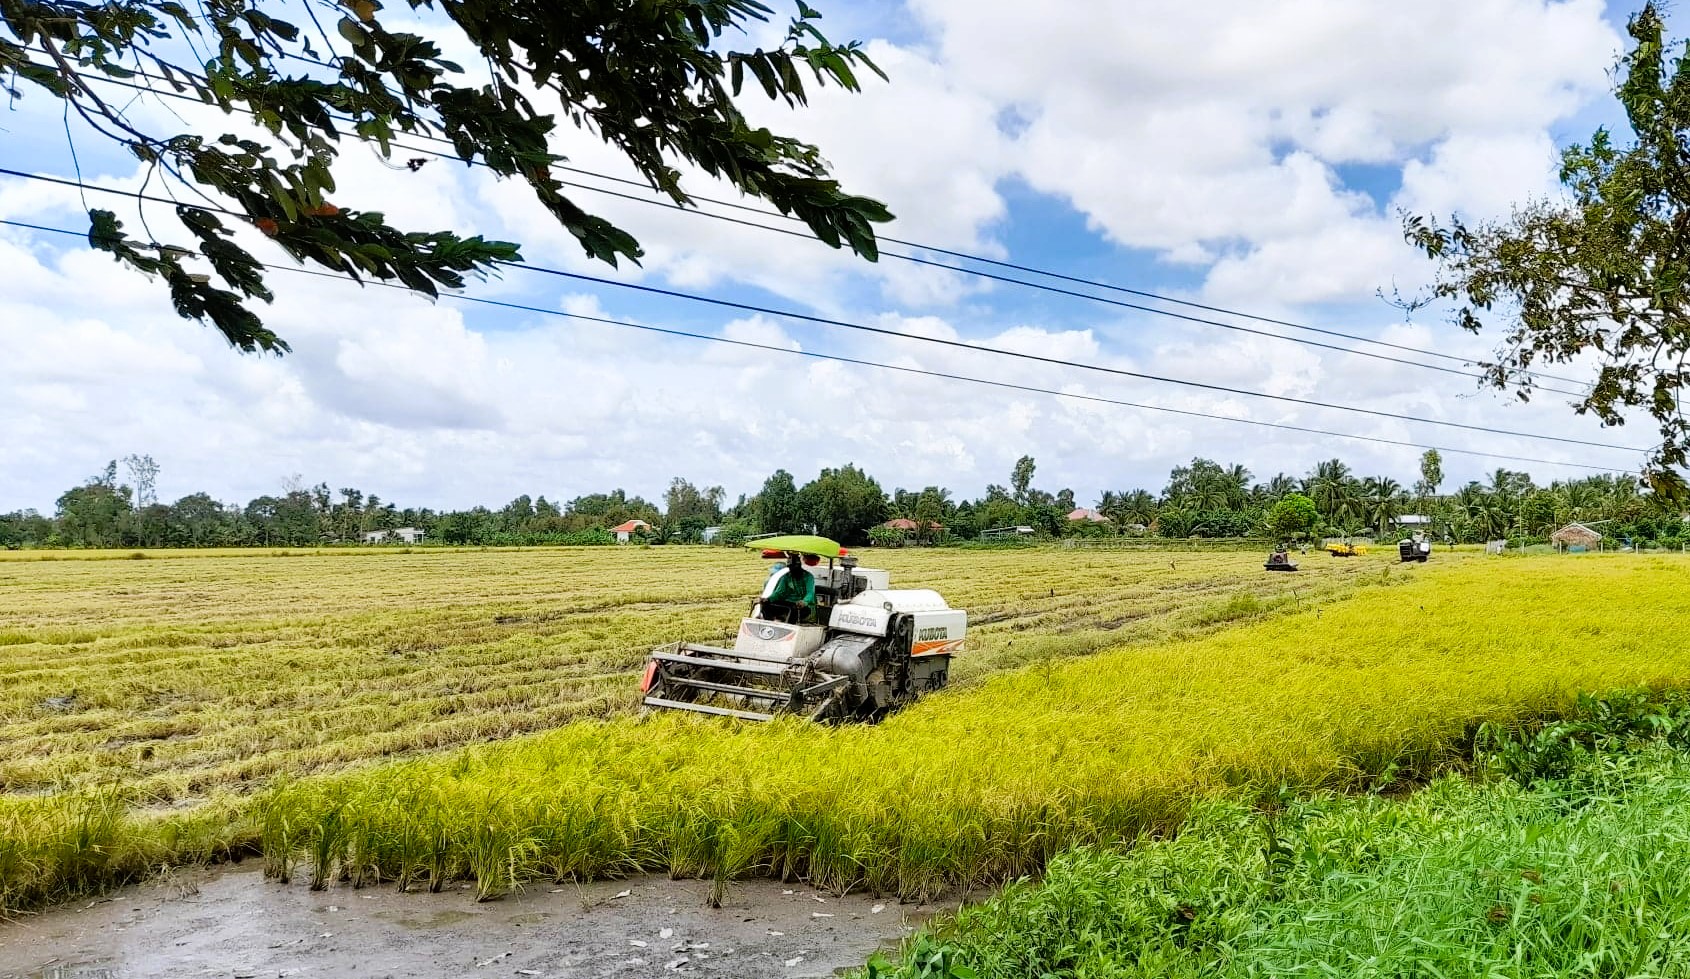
<point>802,543</point>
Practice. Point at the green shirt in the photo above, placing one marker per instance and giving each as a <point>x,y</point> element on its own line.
<point>794,588</point>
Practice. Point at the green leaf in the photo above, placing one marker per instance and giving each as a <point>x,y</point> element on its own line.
<point>645,75</point>
<point>760,67</point>
<point>352,32</point>
<point>280,194</point>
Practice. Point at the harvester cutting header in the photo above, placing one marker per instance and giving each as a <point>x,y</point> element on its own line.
<point>831,642</point>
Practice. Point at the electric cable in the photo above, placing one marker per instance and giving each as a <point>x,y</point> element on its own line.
<point>904,369</point>
<point>955,344</point>
<point>965,256</point>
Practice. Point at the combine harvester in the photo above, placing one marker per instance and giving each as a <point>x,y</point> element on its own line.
<point>857,652</point>
<point>1414,548</point>
<point>1280,560</point>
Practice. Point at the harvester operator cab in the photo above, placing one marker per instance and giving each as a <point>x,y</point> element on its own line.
<point>803,589</point>
<point>789,595</point>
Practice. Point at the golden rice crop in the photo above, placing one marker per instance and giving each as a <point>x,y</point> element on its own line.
<point>986,784</point>
<point>145,701</point>
<point>237,670</point>
<point>972,785</point>
<point>183,676</point>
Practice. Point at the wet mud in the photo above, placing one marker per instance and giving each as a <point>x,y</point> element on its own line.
<point>234,924</point>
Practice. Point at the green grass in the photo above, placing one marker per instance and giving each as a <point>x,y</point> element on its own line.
<point>1588,875</point>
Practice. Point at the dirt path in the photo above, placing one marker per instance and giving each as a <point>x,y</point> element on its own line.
<point>234,924</point>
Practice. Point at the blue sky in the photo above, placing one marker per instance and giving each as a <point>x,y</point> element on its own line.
<point>1247,155</point>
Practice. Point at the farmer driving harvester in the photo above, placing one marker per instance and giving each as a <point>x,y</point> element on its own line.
<point>790,593</point>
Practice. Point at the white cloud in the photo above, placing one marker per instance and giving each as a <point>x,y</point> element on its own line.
<point>1214,135</point>
<point>1214,130</point>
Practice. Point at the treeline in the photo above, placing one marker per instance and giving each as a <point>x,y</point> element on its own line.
<point>1203,499</point>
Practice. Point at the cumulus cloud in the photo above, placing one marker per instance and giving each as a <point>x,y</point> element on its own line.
<point>1221,137</point>
<point>1214,131</point>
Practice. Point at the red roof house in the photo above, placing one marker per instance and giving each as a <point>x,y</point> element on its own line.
<point>905,523</point>
<point>625,530</point>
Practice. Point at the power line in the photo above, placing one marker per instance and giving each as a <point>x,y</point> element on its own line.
<point>924,372</point>
<point>1034,270</point>
<point>957,344</point>
<point>1055,361</point>
<point>915,259</point>
<point>1057,290</point>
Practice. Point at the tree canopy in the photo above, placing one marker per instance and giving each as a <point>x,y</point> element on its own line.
<point>1292,517</point>
<point>1203,499</point>
<point>651,79</point>
<point>1604,274</point>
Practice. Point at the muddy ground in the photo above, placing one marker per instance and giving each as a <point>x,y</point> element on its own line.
<point>234,924</point>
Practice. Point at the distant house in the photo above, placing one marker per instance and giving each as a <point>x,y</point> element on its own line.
<point>709,534</point>
<point>623,531</point>
<point>406,535</point>
<point>1576,537</point>
<point>1413,520</point>
<point>1007,532</point>
<point>909,526</point>
<point>1087,514</point>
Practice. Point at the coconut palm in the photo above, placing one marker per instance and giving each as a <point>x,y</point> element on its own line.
<point>1330,486</point>
<point>1235,481</point>
<point>1277,488</point>
<point>1382,500</point>
<point>1139,507</point>
<point>1210,494</point>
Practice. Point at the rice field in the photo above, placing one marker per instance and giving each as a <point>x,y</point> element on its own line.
<point>186,675</point>
<point>978,786</point>
<point>1204,676</point>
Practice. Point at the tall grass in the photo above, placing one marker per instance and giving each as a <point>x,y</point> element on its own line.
<point>989,784</point>
<point>1588,875</point>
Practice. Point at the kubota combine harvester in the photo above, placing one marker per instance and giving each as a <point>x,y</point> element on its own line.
<point>852,649</point>
<point>1416,547</point>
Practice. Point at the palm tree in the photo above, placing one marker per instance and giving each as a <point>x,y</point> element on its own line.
<point>1109,504</point>
<point>1487,512</point>
<point>1328,487</point>
<point>1175,521</point>
<point>1210,494</point>
<point>1139,507</point>
<point>1492,517</point>
<point>1236,483</point>
<point>1625,502</point>
<point>1382,500</point>
<point>1278,488</point>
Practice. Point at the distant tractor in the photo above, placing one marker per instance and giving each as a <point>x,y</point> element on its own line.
<point>854,651</point>
<point>1345,549</point>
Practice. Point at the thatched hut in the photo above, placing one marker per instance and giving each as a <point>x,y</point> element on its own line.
<point>1576,536</point>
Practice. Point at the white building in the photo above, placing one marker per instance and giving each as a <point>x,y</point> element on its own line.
<point>406,535</point>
